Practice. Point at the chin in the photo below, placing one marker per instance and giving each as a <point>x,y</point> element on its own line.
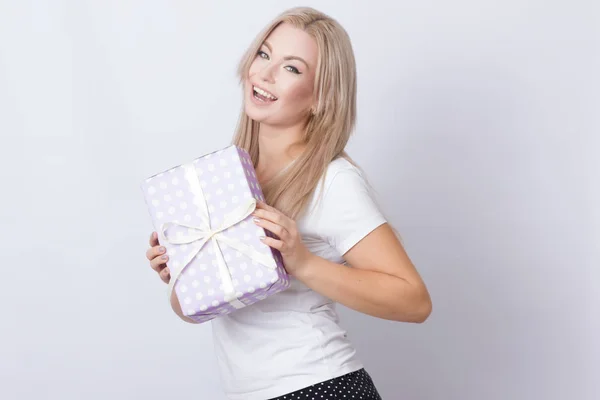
<point>253,113</point>
<point>258,113</point>
<point>262,113</point>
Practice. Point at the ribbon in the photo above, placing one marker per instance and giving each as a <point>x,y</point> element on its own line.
<point>201,235</point>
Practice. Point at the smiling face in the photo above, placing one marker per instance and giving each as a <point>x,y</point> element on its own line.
<point>279,88</point>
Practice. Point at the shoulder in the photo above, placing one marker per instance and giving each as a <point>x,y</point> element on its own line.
<point>340,164</point>
<point>344,181</point>
<point>341,169</point>
<point>343,190</point>
<point>346,209</point>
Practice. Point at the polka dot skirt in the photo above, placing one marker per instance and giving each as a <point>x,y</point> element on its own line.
<point>353,386</point>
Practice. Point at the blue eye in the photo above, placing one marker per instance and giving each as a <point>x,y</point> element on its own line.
<point>293,69</point>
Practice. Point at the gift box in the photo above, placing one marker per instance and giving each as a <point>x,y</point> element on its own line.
<point>201,211</point>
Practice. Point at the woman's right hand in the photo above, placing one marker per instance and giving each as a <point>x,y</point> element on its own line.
<point>158,258</point>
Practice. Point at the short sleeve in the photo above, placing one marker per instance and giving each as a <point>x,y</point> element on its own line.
<point>349,211</point>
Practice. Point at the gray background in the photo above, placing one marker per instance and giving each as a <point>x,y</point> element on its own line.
<point>478,126</point>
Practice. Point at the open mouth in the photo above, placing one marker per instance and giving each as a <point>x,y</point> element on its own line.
<point>262,95</point>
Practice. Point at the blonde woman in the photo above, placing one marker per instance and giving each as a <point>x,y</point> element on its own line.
<point>299,91</point>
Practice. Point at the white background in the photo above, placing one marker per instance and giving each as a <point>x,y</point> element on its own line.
<point>478,126</point>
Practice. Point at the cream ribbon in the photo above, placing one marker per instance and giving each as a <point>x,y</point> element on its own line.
<point>205,233</point>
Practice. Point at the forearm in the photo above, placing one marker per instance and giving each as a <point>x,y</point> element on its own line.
<point>177,309</point>
<point>374,293</point>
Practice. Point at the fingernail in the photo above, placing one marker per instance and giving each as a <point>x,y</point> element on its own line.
<point>165,257</point>
<point>262,237</point>
<point>161,249</point>
<point>256,220</point>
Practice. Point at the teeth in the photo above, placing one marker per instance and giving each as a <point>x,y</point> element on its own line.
<point>264,93</point>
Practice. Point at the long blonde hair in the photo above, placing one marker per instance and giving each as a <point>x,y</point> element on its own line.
<point>332,121</point>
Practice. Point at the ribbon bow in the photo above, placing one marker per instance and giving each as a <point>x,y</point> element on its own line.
<point>205,233</point>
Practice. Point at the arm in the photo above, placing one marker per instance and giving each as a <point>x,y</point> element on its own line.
<point>381,282</point>
<point>177,309</point>
<point>157,256</point>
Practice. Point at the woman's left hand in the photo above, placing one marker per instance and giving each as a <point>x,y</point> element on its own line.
<point>289,242</point>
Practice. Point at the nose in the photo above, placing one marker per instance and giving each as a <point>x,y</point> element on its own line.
<point>267,73</point>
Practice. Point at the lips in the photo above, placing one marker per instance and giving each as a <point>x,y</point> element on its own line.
<point>262,95</point>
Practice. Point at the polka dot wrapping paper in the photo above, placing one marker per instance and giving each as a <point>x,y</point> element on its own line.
<point>201,211</point>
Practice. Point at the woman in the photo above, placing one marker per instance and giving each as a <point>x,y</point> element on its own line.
<point>299,84</point>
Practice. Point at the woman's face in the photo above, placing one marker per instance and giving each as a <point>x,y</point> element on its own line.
<point>279,87</point>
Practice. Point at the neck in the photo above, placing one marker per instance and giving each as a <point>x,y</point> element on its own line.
<point>278,147</point>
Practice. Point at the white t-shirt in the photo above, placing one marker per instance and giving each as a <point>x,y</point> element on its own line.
<point>292,339</point>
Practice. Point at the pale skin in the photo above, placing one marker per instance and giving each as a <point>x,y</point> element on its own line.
<point>380,280</point>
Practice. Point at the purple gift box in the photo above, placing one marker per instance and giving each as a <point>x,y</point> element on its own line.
<point>202,214</point>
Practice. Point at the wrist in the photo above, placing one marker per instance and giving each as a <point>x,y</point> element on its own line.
<point>305,270</point>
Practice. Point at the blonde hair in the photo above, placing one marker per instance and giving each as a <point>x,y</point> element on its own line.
<point>332,121</point>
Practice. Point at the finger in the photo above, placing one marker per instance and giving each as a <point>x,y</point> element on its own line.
<point>153,239</point>
<point>262,204</point>
<point>278,230</point>
<point>274,217</point>
<point>274,243</point>
<point>155,251</point>
<point>281,218</point>
<point>158,263</point>
<point>165,275</point>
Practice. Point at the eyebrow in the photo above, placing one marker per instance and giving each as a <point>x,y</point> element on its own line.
<point>287,57</point>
